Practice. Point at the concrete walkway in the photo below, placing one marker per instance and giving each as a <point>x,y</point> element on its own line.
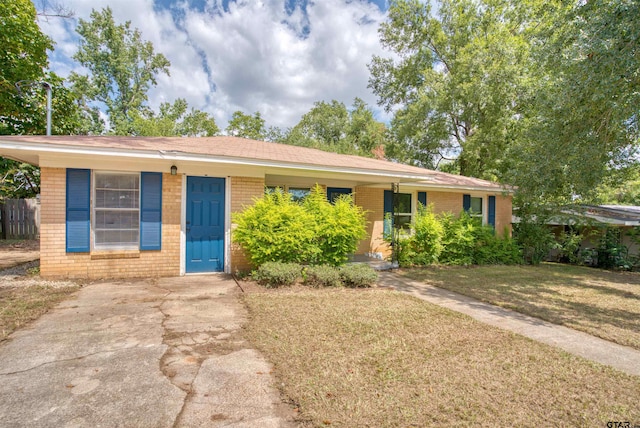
<point>575,342</point>
<point>163,353</point>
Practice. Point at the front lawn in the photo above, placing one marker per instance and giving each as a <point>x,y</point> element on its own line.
<point>381,358</point>
<point>602,303</point>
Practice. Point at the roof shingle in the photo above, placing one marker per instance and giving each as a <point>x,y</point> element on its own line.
<point>242,148</point>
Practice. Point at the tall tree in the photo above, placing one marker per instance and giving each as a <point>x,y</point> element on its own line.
<point>454,82</point>
<point>122,67</point>
<point>324,126</point>
<point>24,61</point>
<point>334,128</point>
<point>582,124</point>
<point>364,133</point>
<point>23,57</point>
<point>247,126</point>
<point>174,120</point>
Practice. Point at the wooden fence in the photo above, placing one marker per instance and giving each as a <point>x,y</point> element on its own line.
<point>20,219</point>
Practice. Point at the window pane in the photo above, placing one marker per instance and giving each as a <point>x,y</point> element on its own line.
<point>116,210</point>
<point>403,221</point>
<point>476,205</point>
<point>298,193</point>
<point>403,203</point>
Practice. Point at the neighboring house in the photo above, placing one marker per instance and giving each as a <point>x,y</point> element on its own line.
<point>131,206</point>
<point>588,220</point>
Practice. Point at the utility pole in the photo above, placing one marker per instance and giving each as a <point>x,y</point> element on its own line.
<point>47,87</point>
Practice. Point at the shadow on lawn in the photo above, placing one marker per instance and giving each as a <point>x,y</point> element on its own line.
<point>544,303</point>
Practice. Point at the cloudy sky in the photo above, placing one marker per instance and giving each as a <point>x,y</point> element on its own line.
<point>274,56</point>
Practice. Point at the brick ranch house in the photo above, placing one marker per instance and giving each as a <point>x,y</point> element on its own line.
<point>130,206</point>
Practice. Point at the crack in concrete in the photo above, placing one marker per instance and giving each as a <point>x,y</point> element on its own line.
<point>63,361</point>
<point>164,367</point>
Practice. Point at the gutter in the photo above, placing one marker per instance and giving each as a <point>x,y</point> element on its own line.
<point>187,157</point>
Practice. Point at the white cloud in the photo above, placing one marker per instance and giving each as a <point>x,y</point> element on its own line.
<point>259,58</point>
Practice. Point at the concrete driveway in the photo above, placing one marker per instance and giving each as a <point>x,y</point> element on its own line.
<point>156,353</point>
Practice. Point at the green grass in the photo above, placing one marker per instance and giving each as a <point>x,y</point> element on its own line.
<point>602,303</point>
<point>380,358</point>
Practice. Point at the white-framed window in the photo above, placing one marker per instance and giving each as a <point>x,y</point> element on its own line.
<point>297,193</point>
<point>116,210</point>
<point>476,207</point>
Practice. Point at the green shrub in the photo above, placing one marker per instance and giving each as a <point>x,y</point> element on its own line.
<point>275,274</point>
<point>491,249</point>
<point>337,227</point>
<point>535,239</point>
<point>358,275</point>
<point>426,241</point>
<point>276,228</point>
<point>569,247</point>
<point>612,254</point>
<point>458,241</point>
<point>322,276</point>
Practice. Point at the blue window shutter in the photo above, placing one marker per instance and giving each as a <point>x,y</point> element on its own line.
<point>422,198</point>
<point>466,202</point>
<point>78,206</point>
<point>388,201</point>
<point>150,211</point>
<point>388,209</point>
<point>492,211</point>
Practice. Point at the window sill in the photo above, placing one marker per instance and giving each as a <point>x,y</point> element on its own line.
<point>115,254</point>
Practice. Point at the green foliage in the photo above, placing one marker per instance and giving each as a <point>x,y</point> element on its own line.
<point>623,190</point>
<point>584,102</point>
<point>174,120</point>
<point>611,254</point>
<point>534,238</point>
<point>275,228</point>
<point>453,240</point>
<point>322,276</point>
<point>569,247</point>
<point>18,180</point>
<point>426,242</point>
<point>337,227</point>
<point>247,126</point>
<point>456,75</point>
<point>23,59</point>
<point>459,239</point>
<point>491,250</point>
<point>276,274</point>
<point>333,128</point>
<point>121,65</point>
<point>24,52</point>
<point>358,275</point>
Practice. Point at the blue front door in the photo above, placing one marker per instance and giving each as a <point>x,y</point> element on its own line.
<point>205,224</point>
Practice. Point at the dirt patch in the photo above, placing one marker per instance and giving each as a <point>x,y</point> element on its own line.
<point>24,296</point>
<point>19,244</point>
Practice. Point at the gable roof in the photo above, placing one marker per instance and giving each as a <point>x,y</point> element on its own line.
<point>238,150</point>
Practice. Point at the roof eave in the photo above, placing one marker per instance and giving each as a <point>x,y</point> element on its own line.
<point>192,157</point>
